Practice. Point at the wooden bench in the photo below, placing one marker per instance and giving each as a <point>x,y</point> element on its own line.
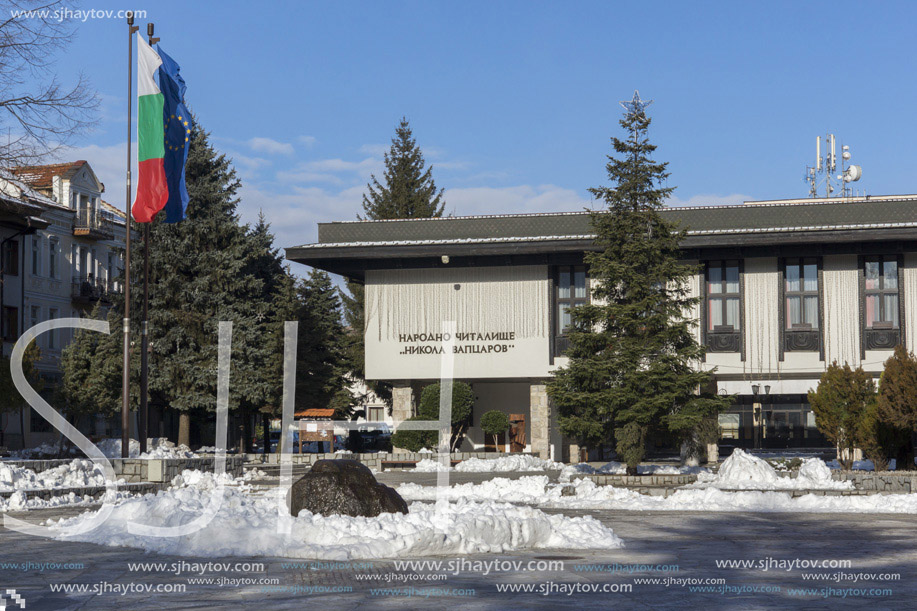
<point>401,464</point>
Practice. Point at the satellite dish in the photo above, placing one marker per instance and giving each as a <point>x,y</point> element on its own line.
<point>853,173</point>
<point>846,155</point>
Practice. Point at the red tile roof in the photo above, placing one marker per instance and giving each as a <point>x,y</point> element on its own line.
<point>40,176</point>
<point>316,413</point>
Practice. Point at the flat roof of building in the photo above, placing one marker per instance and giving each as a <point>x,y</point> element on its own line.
<point>758,223</point>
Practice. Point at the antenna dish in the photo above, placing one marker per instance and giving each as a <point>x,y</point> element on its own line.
<point>853,173</point>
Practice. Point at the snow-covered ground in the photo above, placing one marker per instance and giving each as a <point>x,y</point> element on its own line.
<point>742,471</point>
<point>247,525</point>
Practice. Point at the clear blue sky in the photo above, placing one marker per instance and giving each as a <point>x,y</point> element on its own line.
<point>514,102</point>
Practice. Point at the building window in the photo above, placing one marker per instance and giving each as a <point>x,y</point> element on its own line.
<point>801,294</point>
<point>52,334</point>
<point>53,263</point>
<point>11,257</point>
<point>881,289</point>
<point>35,316</point>
<point>723,297</point>
<point>10,323</point>
<point>571,292</point>
<point>36,256</point>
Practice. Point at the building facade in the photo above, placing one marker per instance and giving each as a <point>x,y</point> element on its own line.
<point>67,266</point>
<point>785,288</point>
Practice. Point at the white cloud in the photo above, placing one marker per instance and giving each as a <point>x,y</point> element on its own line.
<point>517,199</point>
<point>323,170</point>
<point>270,146</point>
<point>309,141</point>
<point>376,150</point>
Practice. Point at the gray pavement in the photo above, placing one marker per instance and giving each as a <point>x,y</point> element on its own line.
<point>691,540</point>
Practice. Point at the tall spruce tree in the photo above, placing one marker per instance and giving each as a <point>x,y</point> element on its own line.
<point>205,269</point>
<point>408,192</point>
<point>633,356</point>
<point>322,365</point>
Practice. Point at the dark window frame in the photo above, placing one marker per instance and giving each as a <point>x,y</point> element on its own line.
<point>10,258</point>
<point>560,342</point>
<point>801,338</point>
<point>881,292</point>
<point>9,323</point>
<point>723,296</point>
<point>722,340</point>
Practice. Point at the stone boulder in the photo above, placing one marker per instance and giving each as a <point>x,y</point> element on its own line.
<point>344,487</point>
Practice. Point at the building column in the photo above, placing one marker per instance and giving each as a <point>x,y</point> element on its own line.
<point>539,412</point>
<point>402,405</point>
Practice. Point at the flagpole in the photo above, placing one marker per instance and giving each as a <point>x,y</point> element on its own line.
<point>145,330</point>
<point>125,380</point>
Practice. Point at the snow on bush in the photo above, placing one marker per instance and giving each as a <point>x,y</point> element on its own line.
<point>248,526</point>
<point>75,474</point>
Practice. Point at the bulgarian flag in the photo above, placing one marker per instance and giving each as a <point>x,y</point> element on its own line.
<point>152,189</point>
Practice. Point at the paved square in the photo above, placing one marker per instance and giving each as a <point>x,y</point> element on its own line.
<point>693,541</point>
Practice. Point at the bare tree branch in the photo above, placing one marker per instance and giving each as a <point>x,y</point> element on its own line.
<point>37,113</point>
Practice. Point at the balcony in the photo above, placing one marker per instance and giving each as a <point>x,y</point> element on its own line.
<point>94,224</point>
<point>87,290</point>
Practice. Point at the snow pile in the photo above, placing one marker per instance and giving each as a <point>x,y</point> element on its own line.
<point>248,526</point>
<point>157,447</point>
<point>19,502</point>
<point>255,473</point>
<point>585,494</point>
<point>743,471</point>
<point>44,450</point>
<point>75,474</point>
<point>508,463</point>
<point>619,468</point>
<point>491,465</point>
<point>428,465</point>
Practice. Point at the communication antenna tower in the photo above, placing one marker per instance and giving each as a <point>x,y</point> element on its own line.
<point>825,167</point>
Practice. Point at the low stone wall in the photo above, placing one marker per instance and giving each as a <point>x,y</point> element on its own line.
<point>373,460</point>
<point>145,469</point>
<point>883,481</point>
<point>634,481</point>
<point>86,491</point>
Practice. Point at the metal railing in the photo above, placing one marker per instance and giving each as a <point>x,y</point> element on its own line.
<point>93,219</point>
<point>90,289</point>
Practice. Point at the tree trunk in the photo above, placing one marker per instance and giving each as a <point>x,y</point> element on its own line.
<point>244,433</point>
<point>631,470</point>
<point>22,426</point>
<point>265,434</point>
<point>184,428</point>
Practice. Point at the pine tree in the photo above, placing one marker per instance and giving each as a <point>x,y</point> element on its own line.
<point>322,364</point>
<point>205,269</point>
<point>633,357</point>
<point>409,192</point>
<point>897,403</point>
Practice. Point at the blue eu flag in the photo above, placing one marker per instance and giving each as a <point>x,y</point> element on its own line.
<point>177,123</point>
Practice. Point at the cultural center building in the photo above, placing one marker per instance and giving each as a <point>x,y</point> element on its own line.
<point>785,288</point>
